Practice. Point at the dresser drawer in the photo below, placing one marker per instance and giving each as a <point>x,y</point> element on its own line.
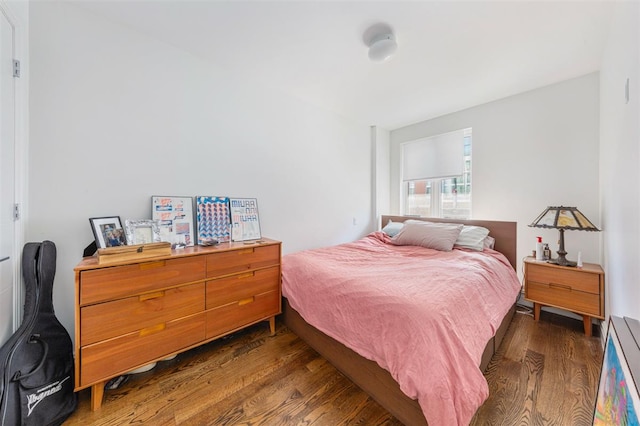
<point>564,297</point>
<point>117,282</point>
<point>241,286</point>
<point>107,359</point>
<point>233,261</point>
<point>231,316</point>
<point>576,279</point>
<point>112,319</point>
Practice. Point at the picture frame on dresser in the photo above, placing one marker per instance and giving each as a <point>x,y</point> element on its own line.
<point>175,219</point>
<point>617,400</point>
<point>245,219</point>
<point>108,231</point>
<point>213,218</point>
<point>142,231</point>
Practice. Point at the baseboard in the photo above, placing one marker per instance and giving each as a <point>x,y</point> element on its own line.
<point>603,333</point>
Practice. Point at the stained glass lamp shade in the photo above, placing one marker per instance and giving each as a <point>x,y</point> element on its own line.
<point>562,218</point>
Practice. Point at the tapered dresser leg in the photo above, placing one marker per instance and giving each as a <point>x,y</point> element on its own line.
<point>97,392</point>
<point>586,319</point>
<point>272,325</point>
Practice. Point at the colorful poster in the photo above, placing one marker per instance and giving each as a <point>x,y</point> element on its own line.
<point>214,222</point>
<point>175,219</point>
<point>617,400</point>
<point>245,221</point>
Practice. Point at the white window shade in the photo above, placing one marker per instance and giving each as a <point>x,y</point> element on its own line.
<point>439,156</point>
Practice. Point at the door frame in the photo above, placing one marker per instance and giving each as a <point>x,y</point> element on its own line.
<point>21,137</point>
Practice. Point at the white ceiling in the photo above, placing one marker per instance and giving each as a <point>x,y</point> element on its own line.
<point>451,54</point>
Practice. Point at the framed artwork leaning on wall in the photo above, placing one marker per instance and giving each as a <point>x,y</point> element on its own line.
<point>175,219</point>
<point>618,401</point>
<point>245,221</point>
<point>214,221</point>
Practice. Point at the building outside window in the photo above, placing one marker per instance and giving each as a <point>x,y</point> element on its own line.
<point>437,176</point>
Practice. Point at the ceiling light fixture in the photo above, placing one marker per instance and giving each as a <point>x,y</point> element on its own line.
<point>382,47</point>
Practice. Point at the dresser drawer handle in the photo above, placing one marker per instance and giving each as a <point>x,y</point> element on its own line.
<point>245,251</point>
<point>153,329</point>
<point>151,265</point>
<point>247,275</point>
<point>561,286</point>
<point>150,296</point>
<point>246,301</point>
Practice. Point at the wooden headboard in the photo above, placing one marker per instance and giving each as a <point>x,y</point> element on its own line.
<point>505,233</point>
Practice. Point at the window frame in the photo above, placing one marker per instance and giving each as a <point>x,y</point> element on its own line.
<point>434,186</point>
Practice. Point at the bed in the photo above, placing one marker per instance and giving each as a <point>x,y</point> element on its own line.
<point>363,360</point>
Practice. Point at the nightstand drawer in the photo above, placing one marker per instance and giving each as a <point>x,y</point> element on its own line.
<point>564,297</point>
<point>576,279</point>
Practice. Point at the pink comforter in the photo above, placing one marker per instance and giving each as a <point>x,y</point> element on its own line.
<point>423,315</point>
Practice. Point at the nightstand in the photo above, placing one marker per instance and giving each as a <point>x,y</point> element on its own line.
<point>579,290</point>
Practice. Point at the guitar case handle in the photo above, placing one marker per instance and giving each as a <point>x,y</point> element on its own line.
<point>35,338</point>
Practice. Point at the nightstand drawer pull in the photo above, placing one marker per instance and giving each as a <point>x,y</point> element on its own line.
<point>561,286</point>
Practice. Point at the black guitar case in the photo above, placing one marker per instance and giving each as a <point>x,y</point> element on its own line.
<point>37,381</point>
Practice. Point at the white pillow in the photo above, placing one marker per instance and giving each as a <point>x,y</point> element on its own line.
<point>437,236</point>
<point>392,228</point>
<point>489,242</point>
<point>472,237</point>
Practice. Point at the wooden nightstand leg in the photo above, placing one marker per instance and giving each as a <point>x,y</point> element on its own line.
<point>587,325</point>
<point>536,311</point>
<point>97,392</point>
<point>272,325</point>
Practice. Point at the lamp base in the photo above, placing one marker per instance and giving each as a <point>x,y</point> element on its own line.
<point>563,262</point>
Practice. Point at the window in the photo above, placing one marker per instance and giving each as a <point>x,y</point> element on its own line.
<point>437,176</point>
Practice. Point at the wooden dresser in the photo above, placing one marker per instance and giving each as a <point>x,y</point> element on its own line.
<point>131,313</point>
<point>579,290</point>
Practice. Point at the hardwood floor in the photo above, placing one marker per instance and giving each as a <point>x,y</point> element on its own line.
<point>545,373</point>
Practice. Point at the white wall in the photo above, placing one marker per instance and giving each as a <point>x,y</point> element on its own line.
<point>620,160</point>
<point>529,151</point>
<point>117,117</point>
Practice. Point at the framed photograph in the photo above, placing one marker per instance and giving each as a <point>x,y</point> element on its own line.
<point>214,222</point>
<point>245,221</point>
<point>142,231</point>
<point>108,231</point>
<point>617,401</point>
<point>175,219</point>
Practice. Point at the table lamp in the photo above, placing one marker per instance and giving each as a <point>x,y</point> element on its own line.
<point>562,218</point>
